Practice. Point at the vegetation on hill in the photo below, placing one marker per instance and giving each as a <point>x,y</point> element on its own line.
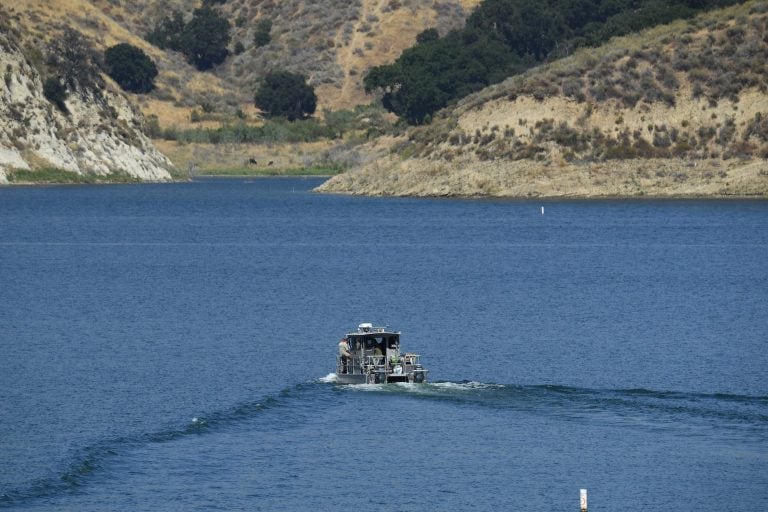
<point>704,63</point>
<point>287,95</point>
<point>130,67</point>
<point>203,40</point>
<point>72,58</point>
<point>505,37</point>
<point>678,110</point>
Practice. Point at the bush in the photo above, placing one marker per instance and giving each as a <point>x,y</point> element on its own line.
<point>130,67</point>
<point>55,92</point>
<point>205,39</point>
<point>262,36</point>
<point>168,32</point>
<point>284,94</point>
<point>75,61</point>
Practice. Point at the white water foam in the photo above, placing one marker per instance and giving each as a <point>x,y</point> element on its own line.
<point>331,377</point>
<point>465,386</point>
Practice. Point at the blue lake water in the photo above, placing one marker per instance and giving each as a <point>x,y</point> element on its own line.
<point>168,347</point>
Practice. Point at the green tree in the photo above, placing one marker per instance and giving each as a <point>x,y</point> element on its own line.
<point>205,38</point>
<point>74,60</point>
<point>504,37</point>
<point>262,35</point>
<point>428,35</point>
<point>284,94</point>
<point>130,67</point>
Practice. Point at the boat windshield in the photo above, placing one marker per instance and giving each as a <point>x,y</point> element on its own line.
<point>375,344</point>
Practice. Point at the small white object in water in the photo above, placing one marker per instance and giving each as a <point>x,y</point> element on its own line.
<point>542,210</point>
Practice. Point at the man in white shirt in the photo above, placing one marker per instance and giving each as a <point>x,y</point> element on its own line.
<point>344,353</point>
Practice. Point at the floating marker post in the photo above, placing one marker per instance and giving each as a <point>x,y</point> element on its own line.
<point>583,500</point>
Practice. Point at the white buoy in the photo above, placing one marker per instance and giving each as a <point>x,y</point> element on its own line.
<point>583,500</point>
<point>542,210</point>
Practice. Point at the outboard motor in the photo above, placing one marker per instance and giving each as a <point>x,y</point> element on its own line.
<point>418,374</point>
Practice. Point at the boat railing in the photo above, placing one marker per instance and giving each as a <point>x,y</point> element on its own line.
<point>356,365</point>
<point>353,365</point>
<point>375,360</point>
<point>410,359</point>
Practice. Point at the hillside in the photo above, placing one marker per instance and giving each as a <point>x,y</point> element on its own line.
<point>679,110</point>
<point>93,133</point>
<point>333,42</point>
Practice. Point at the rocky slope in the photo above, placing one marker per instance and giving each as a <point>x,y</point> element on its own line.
<point>681,110</point>
<point>100,134</point>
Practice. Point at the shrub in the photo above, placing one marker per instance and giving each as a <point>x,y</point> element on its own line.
<point>130,67</point>
<point>75,61</point>
<point>205,39</point>
<point>284,94</point>
<point>55,91</point>
<point>262,36</point>
<point>427,36</point>
<point>168,32</point>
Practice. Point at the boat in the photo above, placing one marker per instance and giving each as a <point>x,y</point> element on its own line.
<point>375,358</point>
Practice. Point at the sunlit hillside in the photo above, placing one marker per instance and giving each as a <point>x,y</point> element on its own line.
<point>681,109</point>
<point>333,42</point>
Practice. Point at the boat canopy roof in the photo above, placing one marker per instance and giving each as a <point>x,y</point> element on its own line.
<point>368,328</point>
<point>367,332</point>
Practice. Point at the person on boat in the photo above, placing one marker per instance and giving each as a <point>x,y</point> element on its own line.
<point>344,354</point>
<point>357,354</point>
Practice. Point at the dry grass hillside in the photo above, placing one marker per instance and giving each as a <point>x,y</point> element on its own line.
<point>334,42</point>
<point>680,110</point>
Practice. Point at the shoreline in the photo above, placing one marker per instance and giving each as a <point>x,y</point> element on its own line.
<point>541,180</point>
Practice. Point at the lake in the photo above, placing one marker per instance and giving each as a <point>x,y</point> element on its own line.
<point>169,347</point>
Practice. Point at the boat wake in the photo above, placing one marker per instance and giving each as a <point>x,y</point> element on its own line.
<point>693,413</point>
<point>86,461</point>
<point>741,416</point>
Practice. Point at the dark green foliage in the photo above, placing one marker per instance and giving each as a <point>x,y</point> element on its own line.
<point>75,61</point>
<point>262,35</point>
<point>203,40</point>
<point>239,48</point>
<point>168,32</point>
<point>426,77</point>
<point>504,37</point>
<point>55,91</point>
<point>130,67</point>
<point>287,95</point>
<point>427,36</point>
